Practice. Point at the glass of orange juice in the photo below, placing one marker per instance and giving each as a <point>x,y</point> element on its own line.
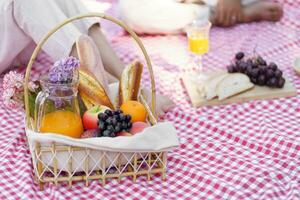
<point>57,109</point>
<point>198,40</point>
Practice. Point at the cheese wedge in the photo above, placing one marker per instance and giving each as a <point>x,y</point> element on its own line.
<point>210,86</point>
<point>233,84</point>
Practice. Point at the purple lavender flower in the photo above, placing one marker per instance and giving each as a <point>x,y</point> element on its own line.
<point>62,70</point>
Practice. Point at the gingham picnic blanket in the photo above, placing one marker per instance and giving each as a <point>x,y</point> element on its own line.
<point>237,151</point>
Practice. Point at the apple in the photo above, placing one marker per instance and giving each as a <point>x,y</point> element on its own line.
<point>90,117</point>
<point>138,127</point>
<point>124,133</point>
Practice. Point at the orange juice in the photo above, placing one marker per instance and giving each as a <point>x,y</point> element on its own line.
<point>62,122</point>
<point>198,45</point>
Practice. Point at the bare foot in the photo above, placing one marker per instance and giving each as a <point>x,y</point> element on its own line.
<point>257,11</point>
<point>262,10</point>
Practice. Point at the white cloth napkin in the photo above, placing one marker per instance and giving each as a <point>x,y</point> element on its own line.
<point>161,137</point>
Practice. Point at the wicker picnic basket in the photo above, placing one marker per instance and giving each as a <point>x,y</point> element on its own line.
<point>63,163</point>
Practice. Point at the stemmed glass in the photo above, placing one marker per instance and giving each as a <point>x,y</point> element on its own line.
<point>198,41</point>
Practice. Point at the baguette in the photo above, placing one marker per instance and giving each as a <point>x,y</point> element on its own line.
<point>130,82</point>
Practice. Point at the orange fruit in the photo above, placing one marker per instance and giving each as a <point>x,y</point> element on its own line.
<point>136,110</point>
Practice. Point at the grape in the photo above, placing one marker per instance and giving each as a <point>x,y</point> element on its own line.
<point>262,69</point>
<point>269,73</point>
<point>124,125</point>
<point>242,66</point>
<point>261,79</point>
<point>280,82</point>
<point>117,112</point>
<point>231,68</point>
<point>258,70</point>
<point>272,82</point>
<point>122,117</point>
<point>255,72</point>
<point>110,128</point>
<point>273,66</point>
<point>249,62</point>
<point>261,61</point>
<point>108,112</point>
<point>239,55</point>
<point>248,70</point>
<point>106,133</point>
<point>278,73</point>
<point>128,118</point>
<point>254,80</point>
<point>102,116</point>
<point>102,125</point>
<point>117,128</point>
<point>113,122</point>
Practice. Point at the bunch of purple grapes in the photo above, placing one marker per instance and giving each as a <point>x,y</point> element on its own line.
<point>257,69</point>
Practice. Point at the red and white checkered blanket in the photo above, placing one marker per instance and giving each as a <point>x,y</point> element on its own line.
<point>237,151</point>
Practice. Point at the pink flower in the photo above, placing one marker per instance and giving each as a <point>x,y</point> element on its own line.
<point>32,86</point>
<point>11,100</point>
<point>13,80</point>
<point>13,90</point>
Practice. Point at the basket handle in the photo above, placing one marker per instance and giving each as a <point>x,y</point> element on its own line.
<point>67,21</point>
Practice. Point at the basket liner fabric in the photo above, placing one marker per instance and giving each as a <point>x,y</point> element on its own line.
<point>161,137</point>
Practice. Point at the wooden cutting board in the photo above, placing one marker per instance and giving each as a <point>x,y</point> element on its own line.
<point>257,93</point>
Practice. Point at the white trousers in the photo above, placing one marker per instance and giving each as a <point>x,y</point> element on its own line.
<point>24,22</point>
<point>164,16</point>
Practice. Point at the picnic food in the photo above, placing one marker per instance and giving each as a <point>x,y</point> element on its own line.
<point>92,91</point>
<point>257,69</point>
<point>210,87</point>
<point>62,122</point>
<point>90,133</point>
<point>136,110</point>
<point>112,122</point>
<point>138,127</point>
<point>124,133</point>
<point>130,82</point>
<point>90,59</point>
<point>90,117</point>
<point>93,84</point>
<point>233,84</point>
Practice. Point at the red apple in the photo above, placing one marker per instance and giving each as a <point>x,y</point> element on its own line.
<point>90,117</point>
<point>138,127</point>
<point>124,133</point>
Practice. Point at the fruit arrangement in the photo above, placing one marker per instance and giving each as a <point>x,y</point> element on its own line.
<point>103,118</point>
<point>258,70</point>
<point>113,122</point>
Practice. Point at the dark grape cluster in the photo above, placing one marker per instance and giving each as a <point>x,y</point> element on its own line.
<point>112,122</point>
<point>257,69</point>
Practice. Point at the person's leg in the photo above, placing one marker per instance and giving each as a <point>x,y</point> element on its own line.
<point>252,10</point>
<point>111,61</point>
<point>36,18</point>
<point>261,10</point>
<point>12,39</point>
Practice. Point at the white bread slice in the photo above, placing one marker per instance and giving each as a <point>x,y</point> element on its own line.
<point>233,84</point>
<point>210,87</point>
<point>130,82</point>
